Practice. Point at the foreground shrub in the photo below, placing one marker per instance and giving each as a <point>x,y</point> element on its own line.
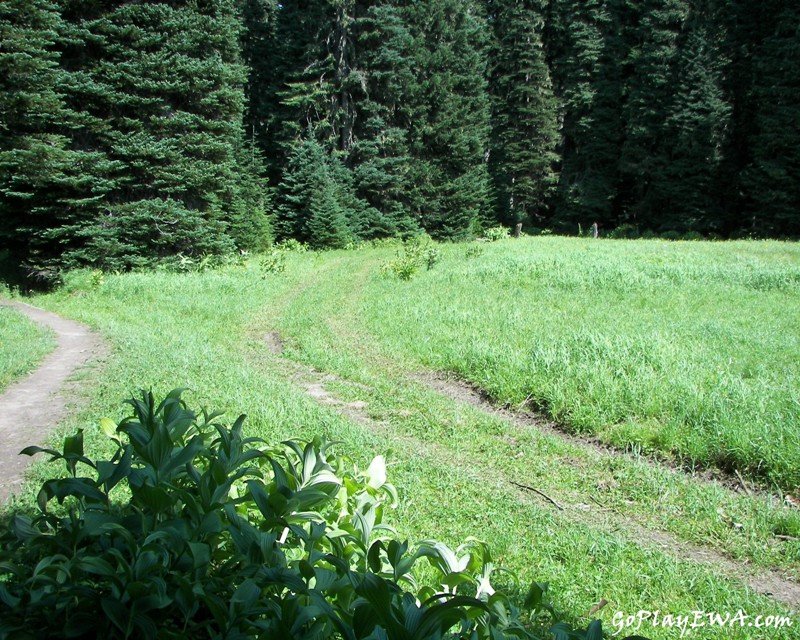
<point>191,530</point>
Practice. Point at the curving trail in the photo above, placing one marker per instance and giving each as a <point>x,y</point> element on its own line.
<point>31,408</point>
<point>336,317</point>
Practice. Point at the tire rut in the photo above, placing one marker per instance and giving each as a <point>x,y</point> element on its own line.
<point>769,583</point>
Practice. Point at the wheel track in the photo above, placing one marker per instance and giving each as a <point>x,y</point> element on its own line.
<point>771,583</point>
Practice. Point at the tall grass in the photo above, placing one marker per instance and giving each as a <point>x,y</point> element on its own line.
<point>450,464</point>
<point>23,344</point>
<point>691,349</point>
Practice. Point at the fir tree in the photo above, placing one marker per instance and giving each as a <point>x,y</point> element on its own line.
<point>317,203</point>
<point>380,155</point>
<point>448,136</point>
<point>525,124</point>
<point>303,90</point>
<point>649,94</point>
<point>159,90</point>
<point>686,188</point>
<point>47,189</point>
<point>585,43</point>
<point>772,181</point>
<point>327,225</point>
<point>259,54</point>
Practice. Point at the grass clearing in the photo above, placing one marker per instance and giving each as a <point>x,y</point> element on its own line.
<point>23,345</point>
<point>451,463</point>
<point>688,349</point>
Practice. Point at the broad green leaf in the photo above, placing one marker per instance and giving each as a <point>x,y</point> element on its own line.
<point>23,528</point>
<point>97,566</point>
<point>109,428</point>
<point>376,472</point>
<point>595,630</point>
<point>117,613</point>
<point>6,597</point>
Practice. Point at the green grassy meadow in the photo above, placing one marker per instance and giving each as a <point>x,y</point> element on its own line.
<point>686,350</point>
<point>23,345</point>
<point>690,349</point>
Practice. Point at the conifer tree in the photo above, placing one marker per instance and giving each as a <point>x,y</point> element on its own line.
<point>649,94</point>
<point>525,125</point>
<point>47,189</point>
<point>313,105</point>
<point>317,203</point>
<point>686,190</point>
<point>259,54</point>
<point>771,182</point>
<point>448,137</point>
<point>306,81</point>
<point>122,133</point>
<point>586,42</point>
<point>380,155</point>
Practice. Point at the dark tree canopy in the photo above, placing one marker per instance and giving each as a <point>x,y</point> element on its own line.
<point>137,130</point>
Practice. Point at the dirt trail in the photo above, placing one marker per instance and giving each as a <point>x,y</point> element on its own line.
<point>31,408</point>
<point>769,583</point>
<point>772,583</point>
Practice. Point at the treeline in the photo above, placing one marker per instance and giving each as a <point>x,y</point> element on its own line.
<point>121,133</point>
<point>136,130</point>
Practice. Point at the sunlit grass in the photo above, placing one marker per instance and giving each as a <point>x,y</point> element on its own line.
<point>692,349</point>
<point>452,464</point>
<point>23,345</point>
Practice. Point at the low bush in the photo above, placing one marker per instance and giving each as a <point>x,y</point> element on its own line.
<point>292,245</point>
<point>274,262</point>
<point>495,233</point>
<point>416,253</point>
<point>625,232</point>
<point>474,250</point>
<point>191,530</point>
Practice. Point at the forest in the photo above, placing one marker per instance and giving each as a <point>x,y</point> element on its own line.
<point>443,431</point>
<point>132,132</point>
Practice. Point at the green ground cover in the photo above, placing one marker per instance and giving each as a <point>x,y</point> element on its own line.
<point>453,464</point>
<point>23,345</point>
<point>687,348</point>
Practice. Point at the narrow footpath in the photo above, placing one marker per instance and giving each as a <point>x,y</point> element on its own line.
<point>31,408</point>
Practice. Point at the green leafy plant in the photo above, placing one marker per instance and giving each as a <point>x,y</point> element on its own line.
<point>474,250</point>
<point>625,232</point>
<point>274,262</point>
<point>418,252</point>
<point>191,529</point>
<point>292,245</point>
<point>181,263</point>
<point>96,279</point>
<point>494,234</point>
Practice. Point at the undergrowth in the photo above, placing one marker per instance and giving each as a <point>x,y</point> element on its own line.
<point>190,529</point>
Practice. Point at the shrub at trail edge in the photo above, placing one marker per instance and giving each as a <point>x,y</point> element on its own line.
<point>416,253</point>
<point>192,530</point>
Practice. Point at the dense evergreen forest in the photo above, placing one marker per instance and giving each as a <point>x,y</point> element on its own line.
<point>133,130</point>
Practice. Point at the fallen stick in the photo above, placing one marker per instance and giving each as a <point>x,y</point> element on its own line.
<point>782,537</point>
<point>741,480</point>
<point>541,493</point>
<point>593,499</point>
<point>603,602</point>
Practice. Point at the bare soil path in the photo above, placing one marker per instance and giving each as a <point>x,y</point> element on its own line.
<point>771,583</point>
<point>31,408</point>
